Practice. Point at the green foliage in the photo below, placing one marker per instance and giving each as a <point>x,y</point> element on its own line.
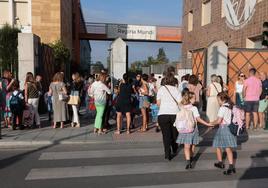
<point>61,52</point>
<point>160,59</point>
<point>97,67</point>
<point>9,47</point>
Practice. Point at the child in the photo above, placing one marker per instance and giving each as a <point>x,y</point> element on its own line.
<point>154,112</point>
<point>190,139</point>
<point>16,103</point>
<point>224,139</point>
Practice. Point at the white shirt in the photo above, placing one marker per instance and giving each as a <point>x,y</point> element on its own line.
<point>183,85</point>
<point>167,104</point>
<point>238,87</point>
<point>151,89</point>
<point>226,114</point>
<point>98,90</point>
<point>195,111</point>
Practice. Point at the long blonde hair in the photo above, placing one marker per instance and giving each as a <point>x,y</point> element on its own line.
<point>186,97</point>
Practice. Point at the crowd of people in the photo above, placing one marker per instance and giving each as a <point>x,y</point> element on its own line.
<point>166,104</point>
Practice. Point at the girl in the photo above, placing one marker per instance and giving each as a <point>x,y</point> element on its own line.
<point>224,139</point>
<point>144,102</point>
<point>190,139</point>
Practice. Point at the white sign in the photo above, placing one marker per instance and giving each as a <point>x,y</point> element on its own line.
<point>136,32</point>
<point>238,12</point>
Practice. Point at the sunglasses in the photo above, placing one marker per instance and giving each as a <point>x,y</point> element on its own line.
<point>242,75</point>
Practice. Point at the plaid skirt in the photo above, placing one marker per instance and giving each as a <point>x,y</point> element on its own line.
<point>224,138</point>
<point>189,138</point>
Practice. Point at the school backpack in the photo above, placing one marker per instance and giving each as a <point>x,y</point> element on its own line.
<point>16,103</point>
<point>185,122</point>
<point>237,126</point>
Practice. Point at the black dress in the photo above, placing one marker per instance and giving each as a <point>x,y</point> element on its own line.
<point>124,99</point>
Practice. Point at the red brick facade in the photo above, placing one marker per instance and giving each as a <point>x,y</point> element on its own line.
<point>203,36</point>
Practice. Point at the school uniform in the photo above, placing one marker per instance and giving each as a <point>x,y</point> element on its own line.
<point>223,137</point>
<point>190,138</point>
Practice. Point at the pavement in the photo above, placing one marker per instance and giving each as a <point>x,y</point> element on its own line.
<point>85,135</point>
<point>75,157</point>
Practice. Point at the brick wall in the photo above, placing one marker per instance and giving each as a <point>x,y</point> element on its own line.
<point>203,36</point>
<point>46,19</point>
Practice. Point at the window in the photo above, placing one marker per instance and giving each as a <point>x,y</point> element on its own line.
<point>206,13</point>
<point>190,21</point>
<point>21,12</point>
<point>4,9</point>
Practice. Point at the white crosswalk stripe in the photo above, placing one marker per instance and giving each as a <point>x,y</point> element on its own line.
<point>142,166</point>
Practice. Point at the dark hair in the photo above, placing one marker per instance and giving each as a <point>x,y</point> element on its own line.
<point>125,77</point>
<point>171,69</point>
<point>253,71</point>
<point>145,77</point>
<point>193,79</point>
<point>185,90</point>
<point>152,74</point>
<point>170,79</point>
<point>186,77</point>
<point>225,98</point>
<point>16,85</point>
<point>221,80</point>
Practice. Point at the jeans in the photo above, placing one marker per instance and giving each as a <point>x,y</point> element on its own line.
<point>75,114</point>
<point>35,102</point>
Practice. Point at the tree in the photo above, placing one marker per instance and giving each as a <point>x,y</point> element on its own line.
<point>61,53</point>
<point>162,57</point>
<point>97,67</point>
<point>9,47</point>
<point>136,66</point>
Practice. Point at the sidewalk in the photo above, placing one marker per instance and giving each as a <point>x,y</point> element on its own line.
<point>85,135</point>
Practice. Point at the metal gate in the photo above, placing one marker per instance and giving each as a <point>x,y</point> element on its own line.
<point>240,60</point>
<point>199,63</point>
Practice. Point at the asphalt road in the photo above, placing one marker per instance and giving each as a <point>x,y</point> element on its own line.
<point>127,165</point>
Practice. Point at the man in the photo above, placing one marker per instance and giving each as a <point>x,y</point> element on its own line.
<point>263,99</point>
<point>252,91</point>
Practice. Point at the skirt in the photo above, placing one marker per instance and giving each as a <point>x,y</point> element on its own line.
<point>224,138</point>
<point>142,100</point>
<point>189,138</point>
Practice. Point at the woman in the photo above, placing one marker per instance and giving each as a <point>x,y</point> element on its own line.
<point>144,101</point>
<point>76,89</point>
<point>32,96</point>
<point>58,91</point>
<point>223,85</point>
<point>99,92</point>
<point>195,87</point>
<point>123,104</point>
<point>168,98</point>
<point>212,103</point>
<point>263,105</point>
<point>239,84</point>
<point>6,90</point>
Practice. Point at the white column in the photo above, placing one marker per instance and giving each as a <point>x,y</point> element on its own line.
<point>11,12</point>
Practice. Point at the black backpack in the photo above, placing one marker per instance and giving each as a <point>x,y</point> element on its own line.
<point>16,103</point>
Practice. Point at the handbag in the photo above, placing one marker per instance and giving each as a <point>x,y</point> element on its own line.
<point>63,97</point>
<point>91,104</point>
<point>74,98</point>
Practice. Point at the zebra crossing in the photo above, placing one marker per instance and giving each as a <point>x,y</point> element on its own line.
<point>150,169</point>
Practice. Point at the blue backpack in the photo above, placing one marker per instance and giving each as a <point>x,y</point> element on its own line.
<point>16,103</point>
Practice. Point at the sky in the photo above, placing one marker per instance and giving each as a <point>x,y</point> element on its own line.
<point>144,12</point>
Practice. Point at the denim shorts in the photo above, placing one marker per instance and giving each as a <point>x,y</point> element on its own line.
<point>251,106</point>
